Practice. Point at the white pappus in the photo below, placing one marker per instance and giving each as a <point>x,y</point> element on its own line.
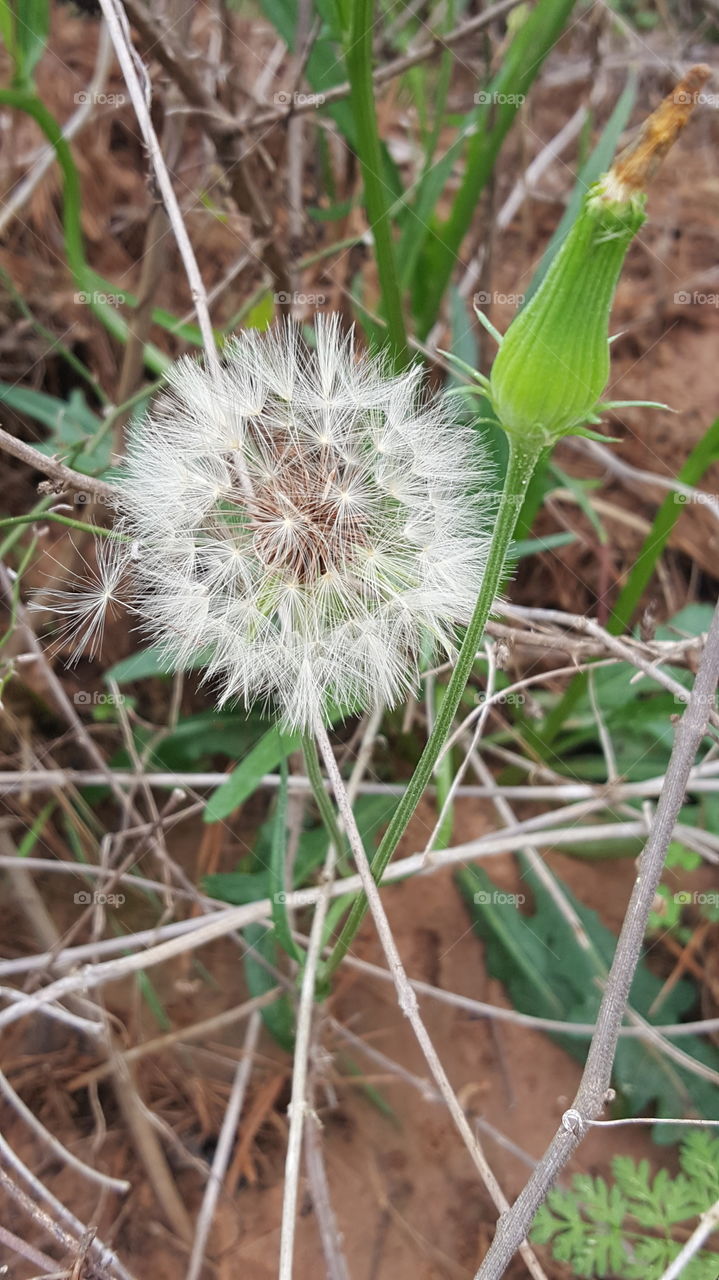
<point>307,523</point>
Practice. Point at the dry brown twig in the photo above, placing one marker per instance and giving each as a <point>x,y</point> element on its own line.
<point>223,1150</point>
<point>62,477</point>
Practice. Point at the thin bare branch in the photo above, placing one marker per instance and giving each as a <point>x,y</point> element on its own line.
<point>589,1102</point>
<point>62,477</point>
<point>223,1149</point>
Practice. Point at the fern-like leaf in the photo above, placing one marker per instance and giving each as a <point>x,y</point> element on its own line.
<point>624,1228</point>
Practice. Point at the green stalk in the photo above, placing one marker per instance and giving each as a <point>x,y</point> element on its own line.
<point>700,458</point>
<point>358,58</point>
<point>14,522</point>
<point>520,466</point>
<point>37,513</point>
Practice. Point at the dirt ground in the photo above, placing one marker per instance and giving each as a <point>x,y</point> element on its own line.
<point>404,1191</point>
<point>403,1187</point>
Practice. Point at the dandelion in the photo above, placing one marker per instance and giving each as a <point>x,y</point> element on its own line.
<point>306,525</point>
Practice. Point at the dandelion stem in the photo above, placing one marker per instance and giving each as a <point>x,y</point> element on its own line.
<point>520,467</point>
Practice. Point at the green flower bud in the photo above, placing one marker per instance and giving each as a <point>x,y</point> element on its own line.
<point>553,364</point>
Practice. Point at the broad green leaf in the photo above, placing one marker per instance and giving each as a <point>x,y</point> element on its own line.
<point>542,967</point>
<point>71,424</point>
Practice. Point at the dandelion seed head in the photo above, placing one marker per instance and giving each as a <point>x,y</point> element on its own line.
<point>305,522</point>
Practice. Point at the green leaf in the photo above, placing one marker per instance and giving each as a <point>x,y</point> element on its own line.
<point>32,26</point>
<point>262,314</point>
<point>624,1229</point>
<point>546,973</point>
<point>70,422</point>
<point>24,27</point>
<point>444,777</point>
<point>263,758</point>
<point>699,1159</point>
<point>151,662</point>
<point>372,813</point>
<point>278,1017</point>
<point>493,118</point>
<point>7,27</point>
<point>512,950</point>
<point>533,546</point>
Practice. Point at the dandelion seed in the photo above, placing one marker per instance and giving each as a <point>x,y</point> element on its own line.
<point>91,598</point>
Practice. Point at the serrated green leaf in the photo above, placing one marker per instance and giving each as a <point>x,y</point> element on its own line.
<point>593,1226</point>
<point>537,958</point>
<point>699,1159</point>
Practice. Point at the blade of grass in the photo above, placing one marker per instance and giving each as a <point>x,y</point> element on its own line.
<point>83,276</point>
<point>358,57</point>
<point>522,62</point>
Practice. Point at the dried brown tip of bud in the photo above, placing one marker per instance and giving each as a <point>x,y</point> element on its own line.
<point>634,168</point>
